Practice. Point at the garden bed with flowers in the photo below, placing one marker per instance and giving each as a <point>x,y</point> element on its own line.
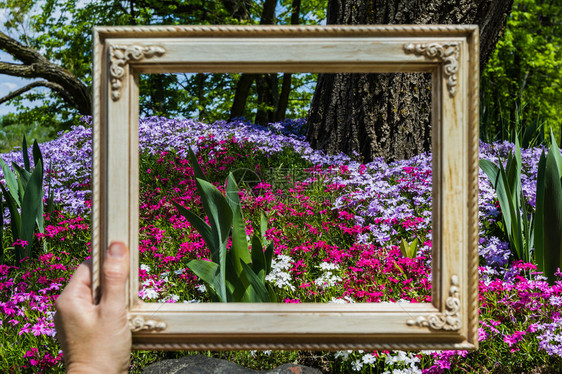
<point>337,227</point>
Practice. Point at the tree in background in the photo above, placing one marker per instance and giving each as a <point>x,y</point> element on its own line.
<point>524,76</point>
<point>388,115</point>
<point>51,40</point>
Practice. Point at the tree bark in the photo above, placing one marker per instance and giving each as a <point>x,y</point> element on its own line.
<point>268,98</point>
<point>389,115</point>
<point>35,65</point>
<point>241,95</point>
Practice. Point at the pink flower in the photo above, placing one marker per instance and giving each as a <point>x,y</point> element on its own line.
<point>19,242</point>
<point>31,353</point>
<point>513,339</point>
<point>24,329</point>
<point>482,334</point>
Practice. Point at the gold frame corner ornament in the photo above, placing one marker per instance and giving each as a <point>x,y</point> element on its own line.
<point>448,53</point>
<point>120,55</point>
<point>450,320</point>
<point>138,323</point>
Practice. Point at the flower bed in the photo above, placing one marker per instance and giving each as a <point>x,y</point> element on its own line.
<point>336,224</point>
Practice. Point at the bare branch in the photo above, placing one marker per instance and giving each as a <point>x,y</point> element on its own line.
<point>35,65</point>
<point>25,54</point>
<point>18,92</point>
<point>18,70</point>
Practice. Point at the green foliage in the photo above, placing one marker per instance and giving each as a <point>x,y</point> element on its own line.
<point>24,196</point>
<point>61,31</point>
<point>409,250</point>
<point>524,71</point>
<point>548,224</point>
<point>236,275</point>
<point>530,132</point>
<point>13,128</point>
<point>507,183</point>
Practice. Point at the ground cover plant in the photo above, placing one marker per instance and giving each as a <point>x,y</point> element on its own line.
<point>342,232</point>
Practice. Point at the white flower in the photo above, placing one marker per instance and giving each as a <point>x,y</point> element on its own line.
<point>369,359</point>
<point>328,279</point>
<point>337,301</point>
<point>343,354</point>
<point>201,288</point>
<point>555,300</point>
<point>148,293</point>
<point>356,365</point>
<point>171,297</point>
<point>279,275</point>
<point>328,266</point>
<point>145,268</point>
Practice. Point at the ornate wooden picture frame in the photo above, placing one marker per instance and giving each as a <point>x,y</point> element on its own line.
<point>449,53</point>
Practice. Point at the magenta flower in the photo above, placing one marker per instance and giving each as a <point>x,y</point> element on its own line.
<point>513,339</point>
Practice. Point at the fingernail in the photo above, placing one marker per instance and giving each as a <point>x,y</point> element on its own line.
<point>116,250</point>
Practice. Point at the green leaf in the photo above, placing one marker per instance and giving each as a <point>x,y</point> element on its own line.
<point>553,212</point>
<point>539,215</point>
<point>239,249</point>
<point>50,198</point>
<point>22,174</point>
<point>197,171</point>
<point>217,209</point>
<point>201,226</point>
<point>232,192</point>
<point>11,182</point>
<point>30,207</point>
<point>263,226</point>
<point>15,217</point>
<point>409,250</point>
<point>256,283</point>
<point>237,283</point>
<point>25,154</point>
<point>272,294</point>
<point>258,258</point>
<point>268,257</point>
<point>37,156</point>
<point>208,272</point>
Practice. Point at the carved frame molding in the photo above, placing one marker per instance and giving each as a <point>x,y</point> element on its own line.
<point>450,320</point>
<point>450,53</point>
<point>119,56</point>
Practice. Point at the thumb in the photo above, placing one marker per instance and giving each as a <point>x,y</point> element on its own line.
<point>115,272</point>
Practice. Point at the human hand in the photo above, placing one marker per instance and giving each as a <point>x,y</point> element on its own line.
<point>96,338</point>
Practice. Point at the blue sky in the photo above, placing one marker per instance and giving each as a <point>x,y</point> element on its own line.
<point>7,82</point>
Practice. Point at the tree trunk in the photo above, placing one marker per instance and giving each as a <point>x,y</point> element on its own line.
<point>263,81</point>
<point>268,98</point>
<point>287,77</point>
<point>241,95</point>
<point>389,115</point>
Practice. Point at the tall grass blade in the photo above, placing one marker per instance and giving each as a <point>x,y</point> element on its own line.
<point>11,182</point>
<point>553,212</point>
<point>25,154</point>
<point>30,207</point>
<point>539,215</point>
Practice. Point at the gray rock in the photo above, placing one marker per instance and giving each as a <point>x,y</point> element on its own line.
<point>198,364</point>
